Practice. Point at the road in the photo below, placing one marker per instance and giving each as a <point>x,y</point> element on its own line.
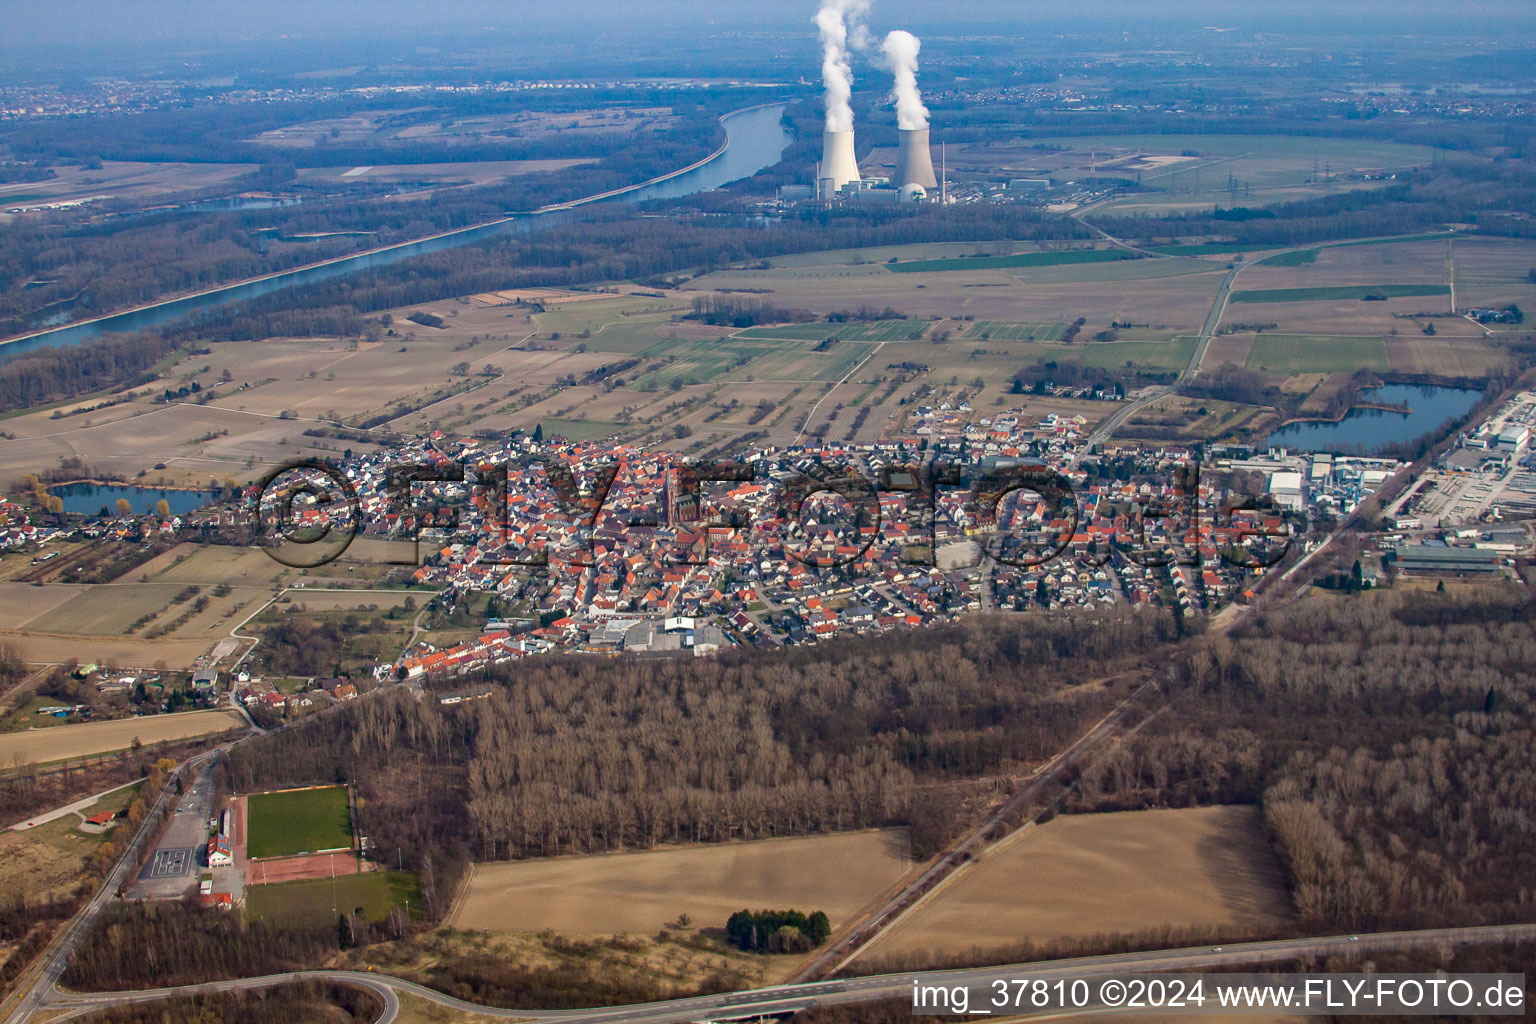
<point>1112,422</point>
<point>75,808</point>
<point>789,998</point>
<point>56,958</point>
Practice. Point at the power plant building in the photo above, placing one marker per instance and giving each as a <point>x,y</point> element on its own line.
<point>914,161</point>
<point>839,168</point>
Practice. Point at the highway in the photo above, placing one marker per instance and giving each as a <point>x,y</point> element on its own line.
<point>789,998</point>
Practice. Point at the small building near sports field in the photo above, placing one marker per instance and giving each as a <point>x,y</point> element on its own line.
<point>219,853</point>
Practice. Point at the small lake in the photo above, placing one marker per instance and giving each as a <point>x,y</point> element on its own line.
<point>90,499</point>
<point>1366,431</point>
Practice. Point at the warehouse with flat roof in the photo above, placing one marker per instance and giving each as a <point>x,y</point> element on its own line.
<point>1435,559</point>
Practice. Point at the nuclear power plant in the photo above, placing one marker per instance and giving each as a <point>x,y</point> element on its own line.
<point>839,168</point>
<point>914,161</point>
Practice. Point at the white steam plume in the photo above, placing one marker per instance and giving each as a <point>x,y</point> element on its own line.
<point>900,50</point>
<point>836,20</point>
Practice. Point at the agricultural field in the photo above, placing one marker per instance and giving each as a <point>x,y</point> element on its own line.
<point>1059,258</point>
<point>58,743</point>
<point>1295,353</point>
<point>20,603</point>
<point>701,362</point>
<point>298,821</point>
<point>1100,874</point>
<point>1192,171</point>
<point>987,330</point>
<point>640,892</point>
<point>879,330</point>
<point>1328,293</point>
<point>305,904</point>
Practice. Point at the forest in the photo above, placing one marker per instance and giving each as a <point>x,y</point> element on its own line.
<point>586,755</point>
<point>49,375</point>
<point>1387,736</point>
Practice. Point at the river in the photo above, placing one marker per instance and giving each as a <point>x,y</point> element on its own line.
<point>756,140</point>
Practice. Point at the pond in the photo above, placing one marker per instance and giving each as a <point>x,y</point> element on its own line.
<point>1367,431</point>
<point>90,499</point>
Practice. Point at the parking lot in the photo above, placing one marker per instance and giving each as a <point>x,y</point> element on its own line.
<point>172,870</point>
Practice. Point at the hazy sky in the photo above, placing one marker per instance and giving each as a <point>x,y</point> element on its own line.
<point>86,22</point>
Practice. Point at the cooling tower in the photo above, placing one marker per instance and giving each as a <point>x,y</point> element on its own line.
<point>837,161</point>
<point>914,164</point>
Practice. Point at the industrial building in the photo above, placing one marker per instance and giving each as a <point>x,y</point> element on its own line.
<point>1440,560</point>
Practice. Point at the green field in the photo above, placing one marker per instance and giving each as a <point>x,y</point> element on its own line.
<point>1023,259</point>
<point>1299,258</point>
<point>1151,355</point>
<point>1298,353</point>
<point>1339,292</point>
<point>1206,248</point>
<point>877,330</point>
<point>298,821</point>
<point>1000,330</point>
<point>580,430</point>
<point>308,903</point>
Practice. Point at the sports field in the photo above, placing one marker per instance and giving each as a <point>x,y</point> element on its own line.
<point>1090,874</point>
<point>298,821</point>
<point>1350,291</point>
<point>372,894</point>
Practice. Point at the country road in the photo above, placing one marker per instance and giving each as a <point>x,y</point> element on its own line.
<point>789,998</point>
<point>1111,423</point>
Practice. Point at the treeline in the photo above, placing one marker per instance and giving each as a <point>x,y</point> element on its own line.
<point>572,755</point>
<point>1388,737</point>
<point>735,311</point>
<point>155,945</point>
<point>613,244</point>
<point>296,1001</point>
<point>47,375</point>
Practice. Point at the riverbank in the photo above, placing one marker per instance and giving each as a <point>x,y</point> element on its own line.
<point>229,292</point>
